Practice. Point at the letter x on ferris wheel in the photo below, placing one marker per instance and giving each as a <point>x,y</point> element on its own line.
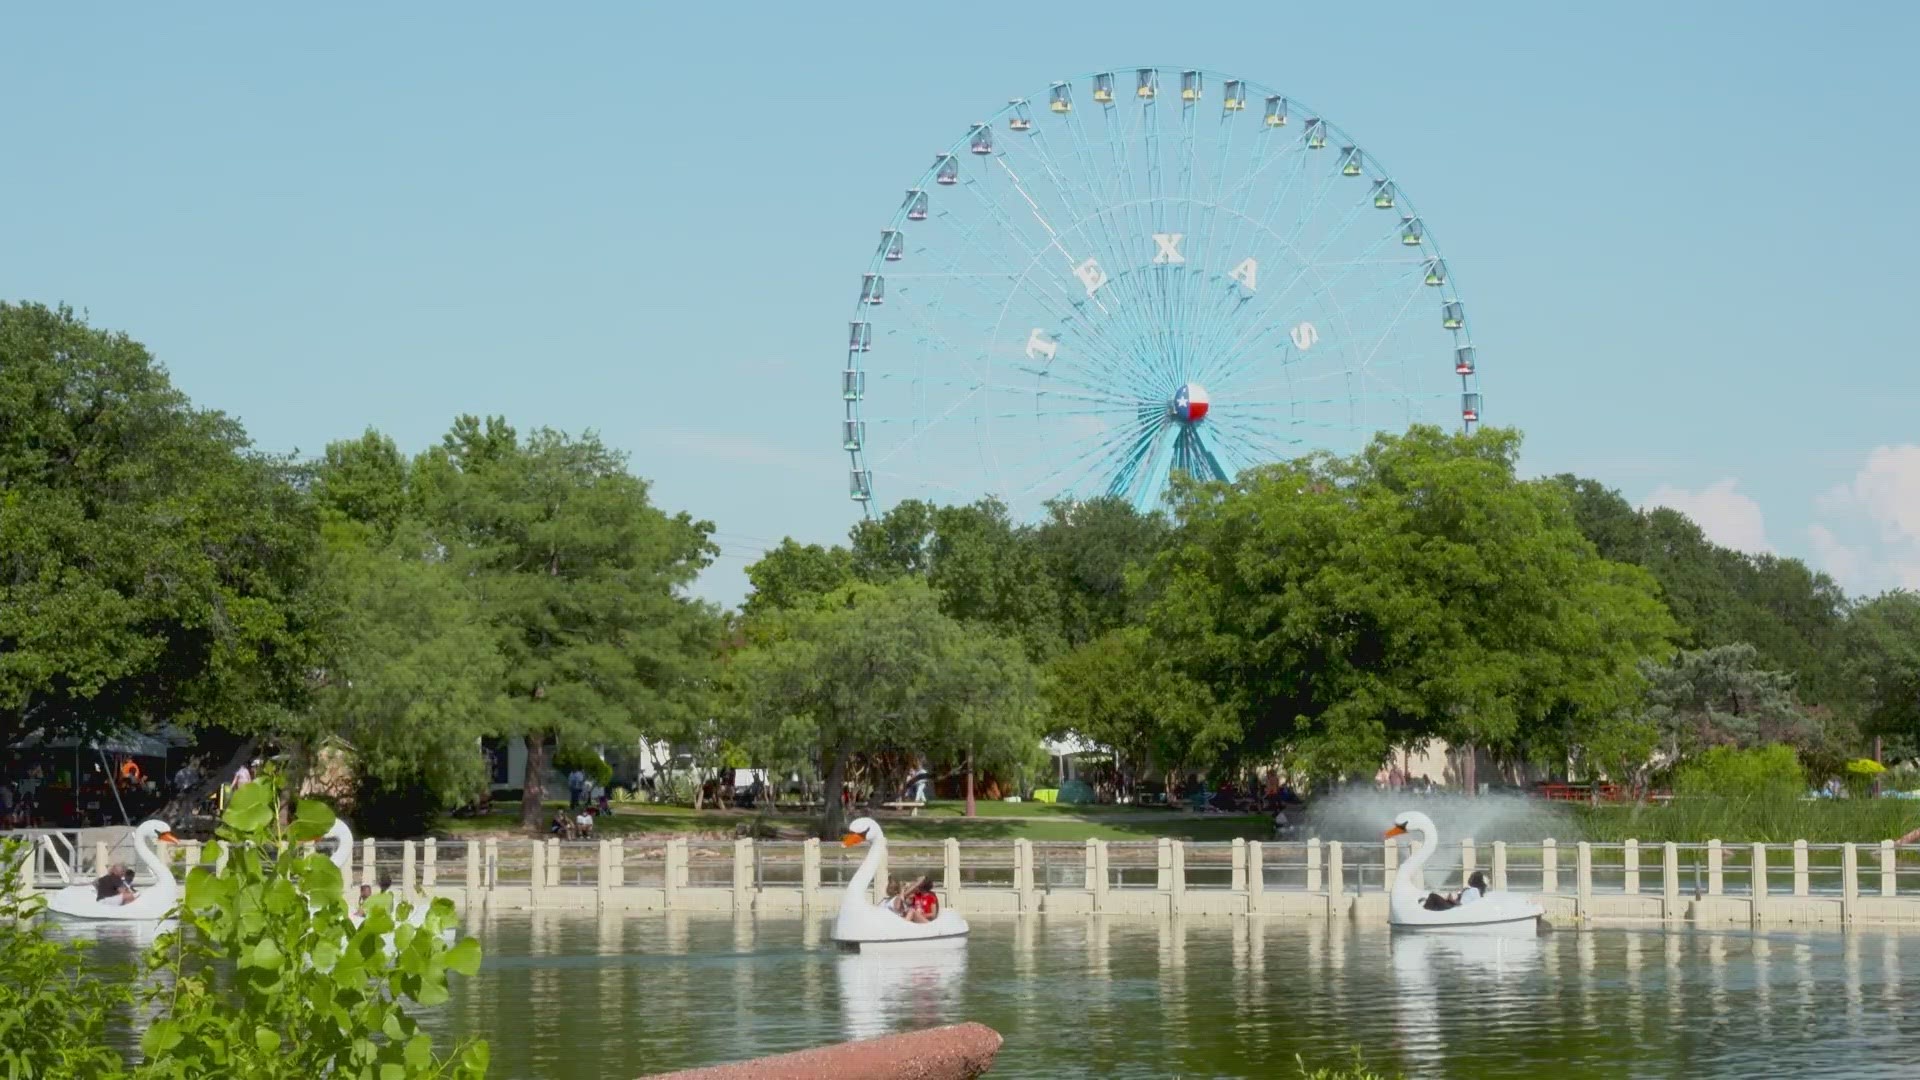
<point>1140,272</point>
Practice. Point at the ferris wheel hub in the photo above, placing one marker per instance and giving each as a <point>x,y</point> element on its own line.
<point>1190,403</point>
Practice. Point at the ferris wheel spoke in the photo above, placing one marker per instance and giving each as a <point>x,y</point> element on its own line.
<point>1131,198</point>
<point>1233,358</point>
<point>1088,454</point>
<point>1263,320</point>
<point>1048,304</point>
<point>1115,253</point>
<point>1097,337</point>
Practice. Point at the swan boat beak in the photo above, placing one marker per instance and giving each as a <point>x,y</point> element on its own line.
<point>852,839</point>
<point>1397,830</point>
<point>167,838</point>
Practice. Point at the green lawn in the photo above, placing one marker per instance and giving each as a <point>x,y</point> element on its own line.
<point>996,821</point>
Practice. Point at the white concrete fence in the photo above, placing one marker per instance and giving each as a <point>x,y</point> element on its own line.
<point>1703,883</point>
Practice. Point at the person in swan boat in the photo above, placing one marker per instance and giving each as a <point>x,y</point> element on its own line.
<point>1476,888</point>
<point>916,904</point>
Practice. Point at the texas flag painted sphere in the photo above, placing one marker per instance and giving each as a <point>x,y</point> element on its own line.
<point>1190,404</point>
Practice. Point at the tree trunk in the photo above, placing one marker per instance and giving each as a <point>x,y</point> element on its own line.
<point>969,783</point>
<point>533,785</point>
<point>182,806</point>
<point>834,823</point>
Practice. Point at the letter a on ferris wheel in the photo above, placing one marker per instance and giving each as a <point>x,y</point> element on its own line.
<point>1138,273</point>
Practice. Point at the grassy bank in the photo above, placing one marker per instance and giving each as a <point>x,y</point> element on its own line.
<point>995,821</point>
<point>1750,821</point>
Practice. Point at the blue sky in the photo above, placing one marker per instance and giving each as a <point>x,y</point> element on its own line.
<point>1680,229</point>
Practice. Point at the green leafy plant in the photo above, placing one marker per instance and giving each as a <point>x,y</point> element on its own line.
<point>53,1018</point>
<point>1356,1071</point>
<point>1766,772</point>
<point>304,992</point>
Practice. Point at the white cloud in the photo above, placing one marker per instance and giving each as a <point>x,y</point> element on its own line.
<point>1729,518</point>
<point>1879,511</point>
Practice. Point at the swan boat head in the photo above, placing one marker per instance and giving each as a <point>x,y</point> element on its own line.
<point>1416,823</point>
<point>863,830</point>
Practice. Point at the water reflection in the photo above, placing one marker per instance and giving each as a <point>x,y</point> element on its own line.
<point>568,997</point>
<point>899,990</point>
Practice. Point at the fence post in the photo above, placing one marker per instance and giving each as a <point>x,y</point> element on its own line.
<point>1469,853</point>
<point>1849,881</point>
<point>742,874</point>
<point>553,861</point>
<point>1256,874</point>
<point>602,875</point>
<point>1389,866</point>
<point>1889,882</point>
<point>473,874</point>
<point>1313,865</point>
<point>1549,866</point>
<point>1716,878</point>
<point>950,860</point>
<point>1630,859</point>
<point>1336,875</point>
<point>429,863</point>
<point>618,870</point>
<point>407,862</point>
<point>1091,876</point>
<point>1758,871</point>
<point>367,858</point>
<point>1499,866</point>
<point>1103,873</point>
<point>100,857</point>
<point>1239,881</point>
<point>1799,868</point>
<point>1669,878</point>
<point>675,871</point>
<point>536,872</point>
<point>1583,878</point>
<point>810,874</point>
<point>1163,865</point>
<point>1179,851</point>
<point>493,862</point>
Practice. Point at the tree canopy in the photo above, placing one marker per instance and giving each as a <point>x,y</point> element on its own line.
<point>1341,607</point>
<point>872,667</point>
<point>154,568</point>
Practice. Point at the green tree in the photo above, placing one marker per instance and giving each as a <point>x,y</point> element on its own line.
<point>412,677</point>
<point>1722,697</point>
<point>1089,549</point>
<point>1883,666</point>
<point>870,668</point>
<point>1121,691</point>
<point>153,567</point>
<point>584,583</point>
<point>793,574</point>
<point>1793,616</point>
<point>1342,606</point>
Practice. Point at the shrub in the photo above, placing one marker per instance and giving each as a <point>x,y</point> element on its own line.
<point>309,993</point>
<point>53,1018</point>
<point>1766,772</point>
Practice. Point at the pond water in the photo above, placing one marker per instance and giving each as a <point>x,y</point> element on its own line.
<point>572,997</point>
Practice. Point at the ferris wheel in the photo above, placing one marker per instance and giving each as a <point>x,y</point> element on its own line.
<point>1137,273</point>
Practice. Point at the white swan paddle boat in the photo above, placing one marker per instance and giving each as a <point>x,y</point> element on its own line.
<point>1407,907</point>
<point>154,901</point>
<point>342,836</point>
<point>863,924</point>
